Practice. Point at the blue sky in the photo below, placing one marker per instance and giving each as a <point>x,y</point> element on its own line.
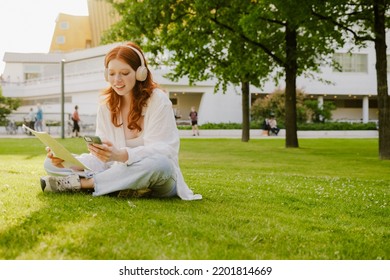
<point>27,26</point>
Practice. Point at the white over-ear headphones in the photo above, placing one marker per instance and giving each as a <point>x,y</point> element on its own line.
<point>142,71</point>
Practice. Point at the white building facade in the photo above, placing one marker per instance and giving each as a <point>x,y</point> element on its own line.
<point>36,79</point>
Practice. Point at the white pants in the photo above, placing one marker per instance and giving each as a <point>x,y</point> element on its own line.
<point>156,173</point>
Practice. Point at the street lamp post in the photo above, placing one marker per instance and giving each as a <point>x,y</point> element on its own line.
<point>62,99</point>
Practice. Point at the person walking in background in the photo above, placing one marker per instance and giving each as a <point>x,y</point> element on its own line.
<point>76,120</point>
<point>39,119</point>
<point>31,119</point>
<point>194,121</point>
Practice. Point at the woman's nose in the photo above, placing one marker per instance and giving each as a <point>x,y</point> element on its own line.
<point>118,77</point>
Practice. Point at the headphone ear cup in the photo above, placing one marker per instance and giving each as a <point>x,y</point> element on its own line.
<point>106,74</point>
<point>141,74</point>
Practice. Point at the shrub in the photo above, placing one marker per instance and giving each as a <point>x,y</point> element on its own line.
<point>303,126</point>
<point>307,109</point>
<point>337,126</point>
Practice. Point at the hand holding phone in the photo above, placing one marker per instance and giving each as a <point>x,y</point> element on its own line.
<point>92,139</point>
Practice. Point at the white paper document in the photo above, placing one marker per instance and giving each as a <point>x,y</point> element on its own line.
<point>70,161</point>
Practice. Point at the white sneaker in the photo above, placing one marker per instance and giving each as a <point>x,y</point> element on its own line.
<point>60,184</point>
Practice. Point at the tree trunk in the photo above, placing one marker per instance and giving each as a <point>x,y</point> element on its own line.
<point>245,112</point>
<point>291,94</point>
<point>382,86</point>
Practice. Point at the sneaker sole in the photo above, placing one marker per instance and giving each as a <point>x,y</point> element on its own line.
<point>45,186</point>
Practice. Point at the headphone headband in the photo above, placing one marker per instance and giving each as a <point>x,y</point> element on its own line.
<point>138,53</point>
<point>142,71</point>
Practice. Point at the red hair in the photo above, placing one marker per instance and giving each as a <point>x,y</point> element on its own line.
<point>141,91</point>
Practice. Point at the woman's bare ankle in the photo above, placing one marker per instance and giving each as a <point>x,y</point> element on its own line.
<point>87,183</point>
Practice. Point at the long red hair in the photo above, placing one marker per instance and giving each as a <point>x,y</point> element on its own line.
<point>141,91</point>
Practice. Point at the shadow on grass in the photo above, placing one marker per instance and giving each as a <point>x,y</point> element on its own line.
<point>27,235</point>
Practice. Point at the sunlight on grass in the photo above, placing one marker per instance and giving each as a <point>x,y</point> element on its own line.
<point>329,199</point>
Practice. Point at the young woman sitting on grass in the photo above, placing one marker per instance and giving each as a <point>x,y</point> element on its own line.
<point>140,140</point>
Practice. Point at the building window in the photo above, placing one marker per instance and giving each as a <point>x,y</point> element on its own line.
<point>64,25</point>
<point>60,40</point>
<point>351,62</point>
<point>32,71</point>
<point>31,76</point>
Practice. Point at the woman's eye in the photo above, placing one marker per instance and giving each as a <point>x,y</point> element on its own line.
<point>121,74</point>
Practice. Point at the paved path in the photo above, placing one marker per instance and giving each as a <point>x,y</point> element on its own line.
<point>258,134</point>
<point>255,134</point>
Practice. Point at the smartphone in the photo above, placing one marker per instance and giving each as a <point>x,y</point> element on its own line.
<point>92,139</point>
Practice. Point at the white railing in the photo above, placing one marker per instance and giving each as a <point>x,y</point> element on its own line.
<point>50,79</point>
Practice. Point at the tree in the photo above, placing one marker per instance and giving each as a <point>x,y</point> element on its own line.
<point>296,41</point>
<point>201,40</point>
<point>364,21</point>
<point>7,105</point>
<point>238,42</point>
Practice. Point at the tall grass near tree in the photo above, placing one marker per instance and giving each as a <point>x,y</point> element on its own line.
<point>328,199</point>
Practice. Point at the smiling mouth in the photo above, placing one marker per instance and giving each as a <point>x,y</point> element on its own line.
<point>119,87</point>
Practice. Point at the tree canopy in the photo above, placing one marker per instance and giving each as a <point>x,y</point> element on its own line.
<point>362,22</point>
<point>238,42</point>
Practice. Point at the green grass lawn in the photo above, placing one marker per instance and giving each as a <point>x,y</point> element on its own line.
<point>327,200</point>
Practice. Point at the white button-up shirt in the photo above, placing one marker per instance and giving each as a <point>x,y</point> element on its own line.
<point>160,136</point>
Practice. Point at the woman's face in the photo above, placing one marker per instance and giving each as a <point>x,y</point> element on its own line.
<point>121,77</point>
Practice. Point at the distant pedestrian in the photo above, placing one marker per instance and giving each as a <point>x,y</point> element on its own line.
<point>194,121</point>
<point>39,119</point>
<point>31,119</point>
<point>76,120</point>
